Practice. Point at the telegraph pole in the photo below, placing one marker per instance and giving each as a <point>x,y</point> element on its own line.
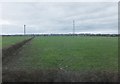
<point>24,29</point>
<point>73,26</point>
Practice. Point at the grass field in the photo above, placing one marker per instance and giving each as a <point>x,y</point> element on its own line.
<point>0,41</point>
<point>11,40</point>
<point>70,53</point>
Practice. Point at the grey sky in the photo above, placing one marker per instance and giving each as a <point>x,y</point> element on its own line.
<point>53,17</point>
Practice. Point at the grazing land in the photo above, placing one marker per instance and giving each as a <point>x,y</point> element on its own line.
<point>71,53</point>
<point>0,42</point>
<point>11,50</point>
<point>67,53</point>
<point>11,40</point>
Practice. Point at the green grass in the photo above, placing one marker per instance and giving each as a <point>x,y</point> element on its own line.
<point>0,41</point>
<point>70,53</point>
<point>11,40</point>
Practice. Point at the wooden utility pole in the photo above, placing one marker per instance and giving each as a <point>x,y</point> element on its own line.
<point>24,29</point>
<point>73,26</point>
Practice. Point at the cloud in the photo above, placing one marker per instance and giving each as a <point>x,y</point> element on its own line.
<point>57,17</point>
<point>2,22</point>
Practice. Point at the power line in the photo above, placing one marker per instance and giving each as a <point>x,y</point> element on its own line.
<point>73,26</point>
<point>24,29</point>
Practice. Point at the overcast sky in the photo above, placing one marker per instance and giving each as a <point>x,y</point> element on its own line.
<point>53,17</point>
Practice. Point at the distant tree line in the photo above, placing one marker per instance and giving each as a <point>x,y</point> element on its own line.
<point>111,35</point>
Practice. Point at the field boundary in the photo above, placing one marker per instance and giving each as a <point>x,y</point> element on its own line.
<point>12,49</point>
<point>56,75</point>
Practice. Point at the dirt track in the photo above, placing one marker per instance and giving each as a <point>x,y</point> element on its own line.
<point>7,52</point>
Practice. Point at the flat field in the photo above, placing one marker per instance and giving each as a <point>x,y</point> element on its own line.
<point>0,42</point>
<point>68,53</point>
<point>11,40</point>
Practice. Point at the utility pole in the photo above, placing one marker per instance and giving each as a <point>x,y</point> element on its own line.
<point>24,29</point>
<point>73,26</point>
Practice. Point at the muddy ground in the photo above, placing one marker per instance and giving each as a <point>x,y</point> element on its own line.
<point>57,75</point>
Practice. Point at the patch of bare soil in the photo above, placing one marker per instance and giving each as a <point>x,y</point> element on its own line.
<point>57,75</point>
